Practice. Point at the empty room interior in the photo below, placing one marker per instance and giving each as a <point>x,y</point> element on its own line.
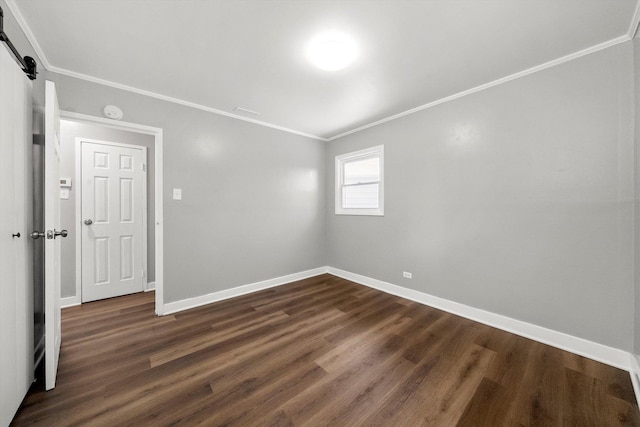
<point>320,213</point>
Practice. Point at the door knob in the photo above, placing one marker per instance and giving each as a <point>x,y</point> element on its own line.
<point>37,234</point>
<point>88,221</point>
<point>63,233</point>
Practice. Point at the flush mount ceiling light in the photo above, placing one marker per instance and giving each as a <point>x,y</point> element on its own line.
<point>332,50</point>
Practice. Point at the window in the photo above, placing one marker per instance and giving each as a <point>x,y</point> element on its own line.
<point>360,183</point>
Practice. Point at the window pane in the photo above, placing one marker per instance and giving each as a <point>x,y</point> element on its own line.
<point>360,197</point>
<point>366,170</point>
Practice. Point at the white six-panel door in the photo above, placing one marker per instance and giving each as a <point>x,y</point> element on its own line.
<point>113,184</point>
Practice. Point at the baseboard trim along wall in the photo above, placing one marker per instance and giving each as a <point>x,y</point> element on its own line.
<point>75,300</point>
<point>602,353</point>
<point>185,304</point>
<point>592,350</point>
<point>635,375</point>
<point>69,301</point>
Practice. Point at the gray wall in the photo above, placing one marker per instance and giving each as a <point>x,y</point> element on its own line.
<point>517,200</point>
<point>253,201</point>
<point>68,132</point>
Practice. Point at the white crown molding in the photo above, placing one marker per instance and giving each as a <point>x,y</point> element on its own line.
<point>528,71</point>
<point>177,101</point>
<point>13,7</point>
<point>117,124</point>
<point>635,22</point>
<point>26,29</point>
<point>633,28</point>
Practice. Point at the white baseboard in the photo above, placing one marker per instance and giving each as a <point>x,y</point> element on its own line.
<point>151,286</point>
<point>635,373</point>
<point>185,304</point>
<point>69,301</point>
<point>601,353</point>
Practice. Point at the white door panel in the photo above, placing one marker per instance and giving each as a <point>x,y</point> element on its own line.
<point>16,298</point>
<point>9,380</point>
<point>53,333</point>
<point>112,213</point>
<point>23,245</point>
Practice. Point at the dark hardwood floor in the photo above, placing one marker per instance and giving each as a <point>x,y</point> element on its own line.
<point>319,352</point>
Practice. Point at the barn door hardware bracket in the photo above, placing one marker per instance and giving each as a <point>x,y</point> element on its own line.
<point>27,63</point>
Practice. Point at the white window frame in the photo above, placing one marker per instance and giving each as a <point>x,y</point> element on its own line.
<point>373,152</point>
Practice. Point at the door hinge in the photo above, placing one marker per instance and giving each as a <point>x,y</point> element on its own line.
<point>141,273</point>
<point>144,167</point>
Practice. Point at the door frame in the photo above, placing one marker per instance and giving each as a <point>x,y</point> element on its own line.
<point>78,206</point>
<point>159,218</point>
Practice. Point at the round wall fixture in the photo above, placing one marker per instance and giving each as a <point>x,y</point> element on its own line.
<point>112,112</point>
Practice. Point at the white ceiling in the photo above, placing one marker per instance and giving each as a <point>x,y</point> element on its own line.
<point>250,53</point>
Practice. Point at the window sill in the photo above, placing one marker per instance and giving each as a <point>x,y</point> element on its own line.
<point>360,212</point>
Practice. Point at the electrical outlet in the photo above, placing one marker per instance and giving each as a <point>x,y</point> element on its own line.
<point>407,275</point>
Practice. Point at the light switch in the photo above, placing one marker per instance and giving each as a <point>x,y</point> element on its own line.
<point>177,194</point>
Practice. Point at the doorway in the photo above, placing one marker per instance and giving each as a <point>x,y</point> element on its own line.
<point>113,199</point>
<point>140,272</point>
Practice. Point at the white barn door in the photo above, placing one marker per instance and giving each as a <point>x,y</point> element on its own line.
<point>16,291</point>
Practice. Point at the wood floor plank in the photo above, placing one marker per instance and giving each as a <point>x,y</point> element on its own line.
<point>356,399</point>
<point>255,385</point>
<point>455,379</point>
<point>260,404</point>
<point>317,402</point>
<point>543,385</point>
<point>322,351</point>
<point>208,339</point>
<point>616,380</point>
<point>488,406</point>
